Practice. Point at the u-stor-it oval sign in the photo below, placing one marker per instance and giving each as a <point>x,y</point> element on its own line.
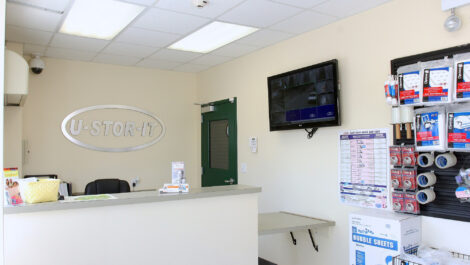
<point>113,128</point>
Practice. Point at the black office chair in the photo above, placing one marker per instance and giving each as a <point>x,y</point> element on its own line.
<point>101,186</point>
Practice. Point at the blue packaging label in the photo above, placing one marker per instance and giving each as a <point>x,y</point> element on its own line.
<point>360,258</point>
<point>375,241</point>
<point>427,129</point>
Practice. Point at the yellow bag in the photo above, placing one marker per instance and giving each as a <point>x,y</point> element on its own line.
<point>46,190</point>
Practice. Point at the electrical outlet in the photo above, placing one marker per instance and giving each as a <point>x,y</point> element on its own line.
<point>134,181</point>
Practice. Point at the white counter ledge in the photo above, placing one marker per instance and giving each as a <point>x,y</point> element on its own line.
<point>135,197</point>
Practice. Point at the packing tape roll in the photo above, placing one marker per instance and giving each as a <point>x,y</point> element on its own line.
<point>426,179</point>
<point>425,160</point>
<point>446,160</point>
<point>407,114</point>
<point>396,116</point>
<point>425,196</point>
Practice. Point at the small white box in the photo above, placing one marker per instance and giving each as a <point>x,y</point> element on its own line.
<point>377,236</point>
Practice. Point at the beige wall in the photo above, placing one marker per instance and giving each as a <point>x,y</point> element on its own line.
<point>301,175</point>
<point>65,86</point>
<point>12,135</point>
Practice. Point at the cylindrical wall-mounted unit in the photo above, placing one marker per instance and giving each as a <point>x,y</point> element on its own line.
<point>16,79</point>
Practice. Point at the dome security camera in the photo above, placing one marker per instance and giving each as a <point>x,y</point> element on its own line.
<point>199,3</point>
<point>36,64</point>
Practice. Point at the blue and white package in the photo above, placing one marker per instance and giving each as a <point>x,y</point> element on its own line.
<point>458,128</point>
<point>462,77</point>
<point>410,84</point>
<point>430,132</point>
<point>437,81</point>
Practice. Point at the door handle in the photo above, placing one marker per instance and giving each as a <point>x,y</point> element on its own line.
<point>229,181</point>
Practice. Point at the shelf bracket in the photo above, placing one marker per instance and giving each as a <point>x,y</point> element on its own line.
<point>315,246</point>
<point>294,241</point>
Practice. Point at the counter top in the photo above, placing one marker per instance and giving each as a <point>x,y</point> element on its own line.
<point>135,197</point>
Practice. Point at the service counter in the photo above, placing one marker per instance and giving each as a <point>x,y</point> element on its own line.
<point>214,225</point>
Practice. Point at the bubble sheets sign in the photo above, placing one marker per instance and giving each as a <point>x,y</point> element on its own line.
<point>363,168</point>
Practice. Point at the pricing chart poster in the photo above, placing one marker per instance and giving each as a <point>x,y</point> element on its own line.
<point>364,168</point>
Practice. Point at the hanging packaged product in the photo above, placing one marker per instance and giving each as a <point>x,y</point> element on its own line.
<point>411,203</point>
<point>437,81</point>
<point>430,129</point>
<point>458,128</point>
<point>409,85</point>
<point>395,155</point>
<point>462,77</point>
<point>391,90</point>
<point>409,178</point>
<point>408,155</point>
<point>396,178</point>
<point>398,202</point>
<point>463,190</point>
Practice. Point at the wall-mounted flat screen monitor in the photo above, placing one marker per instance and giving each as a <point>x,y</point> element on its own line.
<point>305,98</point>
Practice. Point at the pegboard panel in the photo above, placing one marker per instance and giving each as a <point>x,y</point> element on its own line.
<point>446,204</point>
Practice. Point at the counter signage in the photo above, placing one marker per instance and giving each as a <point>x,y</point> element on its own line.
<point>148,127</point>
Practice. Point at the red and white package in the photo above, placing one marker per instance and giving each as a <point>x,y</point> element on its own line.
<point>396,177</point>
<point>408,155</point>
<point>411,203</point>
<point>398,202</point>
<point>395,156</point>
<point>409,178</point>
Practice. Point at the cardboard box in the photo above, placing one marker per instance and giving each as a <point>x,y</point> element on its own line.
<point>377,236</point>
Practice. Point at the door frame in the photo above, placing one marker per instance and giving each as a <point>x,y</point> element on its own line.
<point>233,145</point>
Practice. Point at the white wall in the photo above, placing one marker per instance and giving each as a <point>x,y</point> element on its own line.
<point>2,64</point>
<point>13,156</point>
<point>208,231</point>
<point>65,86</point>
<point>301,175</point>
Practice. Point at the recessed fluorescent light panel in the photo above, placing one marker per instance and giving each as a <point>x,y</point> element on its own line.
<point>102,19</point>
<point>212,36</point>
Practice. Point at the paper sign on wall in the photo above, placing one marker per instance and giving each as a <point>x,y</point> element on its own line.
<point>364,168</point>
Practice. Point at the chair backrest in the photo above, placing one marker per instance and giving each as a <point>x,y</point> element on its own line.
<point>101,186</point>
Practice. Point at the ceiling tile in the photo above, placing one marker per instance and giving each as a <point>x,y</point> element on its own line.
<point>193,68</point>
<point>140,2</point>
<point>56,5</point>
<point>168,21</point>
<point>69,54</point>
<point>249,13</point>
<point>264,38</point>
<point>161,64</point>
<point>235,50</point>
<point>147,37</point>
<point>116,59</point>
<point>211,60</point>
<point>32,18</point>
<point>213,9</point>
<point>305,21</point>
<point>77,43</point>
<point>175,56</point>
<point>24,35</point>
<point>129,49</point>
<point>300,3</point>
<point>344,8</point>
<point>29,49</point>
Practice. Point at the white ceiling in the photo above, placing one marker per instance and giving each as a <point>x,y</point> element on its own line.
<point>143,43</point>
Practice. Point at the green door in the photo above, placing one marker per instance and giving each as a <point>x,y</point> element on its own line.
<point>219,143</point>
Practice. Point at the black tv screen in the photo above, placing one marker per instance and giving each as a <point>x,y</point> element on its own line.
<point>304,98</point>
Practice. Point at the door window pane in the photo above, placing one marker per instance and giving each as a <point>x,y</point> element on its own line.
<point>218,144</point>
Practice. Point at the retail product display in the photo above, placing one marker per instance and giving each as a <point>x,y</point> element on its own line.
<point>425,196</point>
<point>396,121</point>
<point>409,178</point>
<point>407,116</point>
<point>463,190</point>
<point>408,155</point>
<point>391,90</point>
<point>426,179</point>
<point>411,203</point>
<point>396,177</point>
<point>458,127</point>
<point>398,201</point>
<point>447,160</point>
<point>425,159</point>
<point>462,77</point>
<point>409,85</point>
<point>437,81</point>
<point>395,156</point>
<point>430,129</point>
<point>432,256</point>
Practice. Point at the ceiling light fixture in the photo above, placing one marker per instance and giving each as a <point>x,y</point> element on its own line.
<point>453,22</point>
<point>212,36</point>
<point>102,19</point>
